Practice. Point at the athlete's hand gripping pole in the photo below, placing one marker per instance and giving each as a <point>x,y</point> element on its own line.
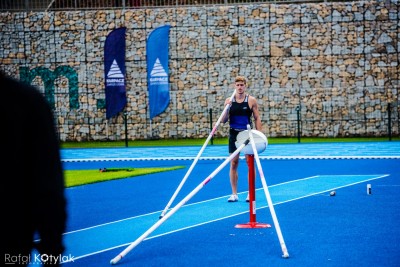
<point>197,157</point>
<point>178,206</point>
<point>268,196</point>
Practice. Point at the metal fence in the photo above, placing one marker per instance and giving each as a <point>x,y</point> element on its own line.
<point>58,5</point>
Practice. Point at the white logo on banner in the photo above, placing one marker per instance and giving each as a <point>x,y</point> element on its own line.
<point>115,76</point>
<point>158,75</point>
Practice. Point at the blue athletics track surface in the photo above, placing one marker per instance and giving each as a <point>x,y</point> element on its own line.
<point>351,228</point>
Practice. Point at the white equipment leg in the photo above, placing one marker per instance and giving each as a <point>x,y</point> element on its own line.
<point>268,196</point>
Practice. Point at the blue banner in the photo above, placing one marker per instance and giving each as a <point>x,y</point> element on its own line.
<point>114,72</point>
<point>157,70</point>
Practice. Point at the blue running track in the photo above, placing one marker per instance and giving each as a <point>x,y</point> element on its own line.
<point>349,229</point>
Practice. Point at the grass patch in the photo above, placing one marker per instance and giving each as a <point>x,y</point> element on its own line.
<point>83,177</point>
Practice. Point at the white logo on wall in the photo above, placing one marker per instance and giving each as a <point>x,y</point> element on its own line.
<point>158,74</point>
<point>115,76</point>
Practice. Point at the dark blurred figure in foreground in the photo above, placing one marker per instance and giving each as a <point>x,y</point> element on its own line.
<point>32,181</point>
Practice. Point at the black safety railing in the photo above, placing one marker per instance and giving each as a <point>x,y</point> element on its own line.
<point>59,5</point>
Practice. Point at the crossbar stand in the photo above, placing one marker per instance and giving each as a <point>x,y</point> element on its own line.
<point>252,198</point>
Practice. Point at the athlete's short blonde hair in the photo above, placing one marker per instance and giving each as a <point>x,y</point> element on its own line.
<point>241,79</point>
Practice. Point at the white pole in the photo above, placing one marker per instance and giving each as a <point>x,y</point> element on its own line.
<point>179,205</point>
<point>196,159</point>
<point>268,196</point>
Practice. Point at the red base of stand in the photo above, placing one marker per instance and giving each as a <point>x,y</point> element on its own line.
<point>252,198</point>
<point>253,225</point>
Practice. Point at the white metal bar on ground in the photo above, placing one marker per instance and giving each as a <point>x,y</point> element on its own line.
<point>178,206</point>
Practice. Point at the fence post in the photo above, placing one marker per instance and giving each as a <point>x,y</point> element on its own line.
<point>126,129</point>
<point>390,121</point>
<point>211,126</point>
<point>298,124</point>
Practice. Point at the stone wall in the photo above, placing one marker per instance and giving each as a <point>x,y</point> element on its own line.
<point>337,62</point>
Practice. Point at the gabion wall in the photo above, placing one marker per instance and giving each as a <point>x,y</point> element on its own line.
<point>334,66</point>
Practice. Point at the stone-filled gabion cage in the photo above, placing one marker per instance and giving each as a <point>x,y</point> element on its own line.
<point>332,66</point>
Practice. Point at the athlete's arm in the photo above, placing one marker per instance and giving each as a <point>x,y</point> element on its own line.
<point>256,114</point>
<point>226,115</point>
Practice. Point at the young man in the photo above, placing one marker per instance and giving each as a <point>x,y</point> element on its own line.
<point>242,109</point>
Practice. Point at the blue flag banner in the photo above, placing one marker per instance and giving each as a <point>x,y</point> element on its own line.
<point>157,70</point>
<point>114,72</point>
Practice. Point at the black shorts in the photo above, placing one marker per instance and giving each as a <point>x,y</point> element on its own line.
<point>232,139</point>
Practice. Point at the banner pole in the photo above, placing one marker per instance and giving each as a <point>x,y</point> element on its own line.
<point>151,130</point>
<point>107,129</point>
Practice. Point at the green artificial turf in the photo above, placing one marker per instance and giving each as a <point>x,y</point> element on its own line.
<point>82,177</point>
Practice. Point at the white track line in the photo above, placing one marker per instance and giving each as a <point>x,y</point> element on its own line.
<point>223,158</point>
<point>222,218</point>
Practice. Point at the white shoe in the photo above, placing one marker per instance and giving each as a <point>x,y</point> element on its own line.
<point>233,198</point>
<point>248,198</point>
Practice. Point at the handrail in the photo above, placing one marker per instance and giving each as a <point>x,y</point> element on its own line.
<point>68,5</point>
